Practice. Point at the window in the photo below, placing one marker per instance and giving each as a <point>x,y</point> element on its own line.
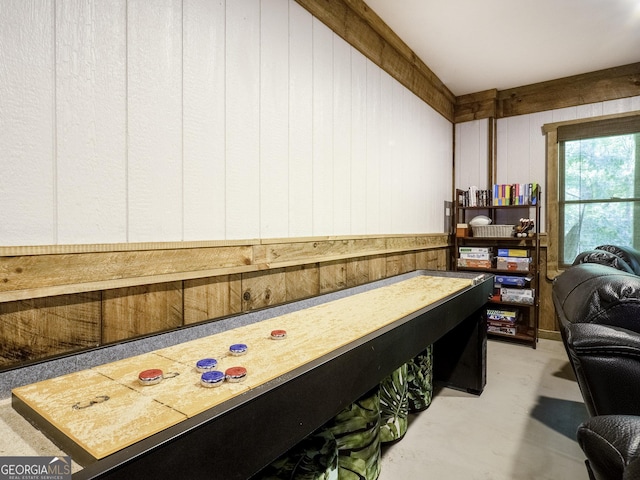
<point>593,185</point>
<point>599,194</point>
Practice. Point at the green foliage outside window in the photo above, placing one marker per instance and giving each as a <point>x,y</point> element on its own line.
<point>599,193</point>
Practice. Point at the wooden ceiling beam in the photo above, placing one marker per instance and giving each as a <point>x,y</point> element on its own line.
<point>599,86</point>
<point>602,85</point>
<point>357,24</point>
<point>361,27</point>
<point>475,106</point>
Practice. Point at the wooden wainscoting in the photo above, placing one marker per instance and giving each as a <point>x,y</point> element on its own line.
<point>62,299</point>
<point>42,327</point>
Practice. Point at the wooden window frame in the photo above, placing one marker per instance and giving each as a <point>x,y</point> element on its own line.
<point>556,132</point>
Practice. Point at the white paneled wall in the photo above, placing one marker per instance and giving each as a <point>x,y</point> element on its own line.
<point>358,172</point>
<point>274,119</point>
<point>242,105</point>
<point>322,114</point>
<point>28,190</point>
<point>374,124</point>
<point>170,120</point>
<point>203,119</point>
<point>521,146</point>
<point>300,155</point>
<point>154,120</point>
<point>90,124</point>
<point>472,154</point>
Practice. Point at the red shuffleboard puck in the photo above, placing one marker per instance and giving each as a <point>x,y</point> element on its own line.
<point>150,377</point>
<point>278,334</point>
<point>235,374</point>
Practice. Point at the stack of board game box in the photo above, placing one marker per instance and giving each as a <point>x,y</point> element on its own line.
<point>513,288</point>
<point>513,259</point>
<point>475,257</point>
<point>502,320</point>
<point>517,295</point>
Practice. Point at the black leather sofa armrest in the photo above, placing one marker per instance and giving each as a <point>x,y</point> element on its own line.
<point>595,293</point>
<point>606,361</point>
<point>603,257</point>
<point>630,255</point>
<point>611,444</point>
<point>607,340</point>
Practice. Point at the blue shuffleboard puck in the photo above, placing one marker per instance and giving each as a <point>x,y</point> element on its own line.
<point>212,378</point>
<point>206,364</point>
<point>238,349</point>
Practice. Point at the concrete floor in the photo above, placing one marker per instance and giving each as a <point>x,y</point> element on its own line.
<point>522,426</point>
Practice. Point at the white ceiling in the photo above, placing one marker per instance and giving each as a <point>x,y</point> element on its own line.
<point>476,45</point>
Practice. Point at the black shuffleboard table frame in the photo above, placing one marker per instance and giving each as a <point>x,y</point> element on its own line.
<point>238,438</point>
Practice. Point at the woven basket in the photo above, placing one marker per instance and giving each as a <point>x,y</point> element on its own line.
<point>493,231</point>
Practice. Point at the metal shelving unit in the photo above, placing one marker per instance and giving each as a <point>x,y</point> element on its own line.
<point>527,327</point>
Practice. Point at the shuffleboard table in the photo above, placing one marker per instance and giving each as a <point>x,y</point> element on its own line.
<point>335,350</point>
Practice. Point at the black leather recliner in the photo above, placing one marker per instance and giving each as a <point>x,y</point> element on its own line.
<point>611,445</point>
<point>629,255</point>
<point>598,308</point>
<point>606,362</point>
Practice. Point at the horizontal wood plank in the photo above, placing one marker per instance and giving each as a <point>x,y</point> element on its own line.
<point>377,267</point>
<point>357,272</point>
<point>401,263</point>
<point>132,312</point>
<point>52,319</point>
<point>599,86</point>
<point>302,281</point>
<point>431,260</point>
<point>43,327</point>
<point>288,253</point>
<point>475,106</point>
<point>33,271</point>
<point>17,250</point>
<point>263,289</point>
<point>212,297</point>
<point>37,273</point>
<point>333,276</point>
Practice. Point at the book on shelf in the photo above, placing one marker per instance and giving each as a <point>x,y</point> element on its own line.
<point>474,197</point>
<point>501,194</point>
<point>505,194</point>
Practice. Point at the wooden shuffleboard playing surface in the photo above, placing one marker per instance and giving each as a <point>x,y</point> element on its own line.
<point>104,409</point>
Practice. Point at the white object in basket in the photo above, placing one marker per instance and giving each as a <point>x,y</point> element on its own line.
<point>480,220</point>
<point>493,230</point>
